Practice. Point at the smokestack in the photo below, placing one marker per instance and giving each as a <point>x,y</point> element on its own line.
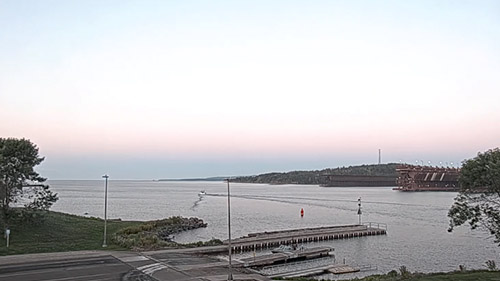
<point>379,156</point>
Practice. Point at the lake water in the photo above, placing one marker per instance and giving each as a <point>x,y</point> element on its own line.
<point>417,222</point>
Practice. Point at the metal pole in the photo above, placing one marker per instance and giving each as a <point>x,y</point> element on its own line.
<point>104,245</point>
<point>359,210</point>
<point>230,274</point>
<point>7,234</point>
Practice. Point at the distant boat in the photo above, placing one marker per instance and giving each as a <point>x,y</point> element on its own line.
<point>202,193</point>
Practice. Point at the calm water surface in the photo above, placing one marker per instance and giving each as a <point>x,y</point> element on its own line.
<point>417,222</point>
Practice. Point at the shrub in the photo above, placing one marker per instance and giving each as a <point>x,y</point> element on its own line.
<point>405,273</point>
<point>491,265</point>
<point>462,268</point>
<point>392,273</point>
<point>212,242</point>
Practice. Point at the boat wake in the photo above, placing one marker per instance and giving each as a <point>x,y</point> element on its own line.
<point>197,203</point>
<point>322,202</point>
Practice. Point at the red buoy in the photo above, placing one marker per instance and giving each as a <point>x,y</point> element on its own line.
<point>302,212</point>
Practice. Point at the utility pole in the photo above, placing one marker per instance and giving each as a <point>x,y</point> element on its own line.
<point>104,245</point>
<point>230,274</point>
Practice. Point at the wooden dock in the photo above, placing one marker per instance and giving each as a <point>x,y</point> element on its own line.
<point>298,236</point>
<point>276,258</point>
<point>342,269</point>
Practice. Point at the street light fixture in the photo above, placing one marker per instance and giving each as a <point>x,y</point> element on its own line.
<point>230,274</point>
<point>105,209</point>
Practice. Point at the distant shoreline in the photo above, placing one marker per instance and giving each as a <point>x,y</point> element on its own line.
<point>353,176</point>
<point>197,179</point>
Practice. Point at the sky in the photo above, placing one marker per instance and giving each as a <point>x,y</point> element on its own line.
<point>175,89</point>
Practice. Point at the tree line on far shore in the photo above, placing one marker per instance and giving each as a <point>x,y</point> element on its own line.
<point>320,176</point>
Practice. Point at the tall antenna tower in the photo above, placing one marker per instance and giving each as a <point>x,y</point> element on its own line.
<point>379,156</point>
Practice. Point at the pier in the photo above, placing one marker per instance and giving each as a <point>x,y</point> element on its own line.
<point>357,180</point>
<point>427,178</point>
<point>266,239</point>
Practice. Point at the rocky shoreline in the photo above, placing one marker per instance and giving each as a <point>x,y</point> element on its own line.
<point>158,234</point>
<point>183,224</point>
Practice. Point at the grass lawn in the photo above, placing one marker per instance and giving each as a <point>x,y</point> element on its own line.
<point>61,232</point>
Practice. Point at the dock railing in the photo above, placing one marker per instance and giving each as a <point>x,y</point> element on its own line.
<point>378,225</point>
<point>367,267</point>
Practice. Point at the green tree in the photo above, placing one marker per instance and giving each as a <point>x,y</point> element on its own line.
<point>19,182</point>
<point>478,202</point>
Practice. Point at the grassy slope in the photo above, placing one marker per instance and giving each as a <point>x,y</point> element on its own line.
<point>475,275</point>
<point>61,232</point>
<point>459,276</point>
<point>451,276</point>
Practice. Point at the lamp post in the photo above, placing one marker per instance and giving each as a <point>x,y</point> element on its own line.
<point>105,208</point>
<point>230,274</point>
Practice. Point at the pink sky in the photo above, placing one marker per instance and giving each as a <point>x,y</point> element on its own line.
<point>244,89</point>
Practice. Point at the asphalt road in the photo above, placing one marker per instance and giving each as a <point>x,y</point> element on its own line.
<point>102,268</point>
<point>168,265</point>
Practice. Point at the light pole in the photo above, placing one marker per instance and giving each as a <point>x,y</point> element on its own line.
<point>230,274</point>
<point>105,208</point>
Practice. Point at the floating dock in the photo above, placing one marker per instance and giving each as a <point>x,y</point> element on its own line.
<point>298,236</point>
<point>277,258</point>
<point>317,270</point>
